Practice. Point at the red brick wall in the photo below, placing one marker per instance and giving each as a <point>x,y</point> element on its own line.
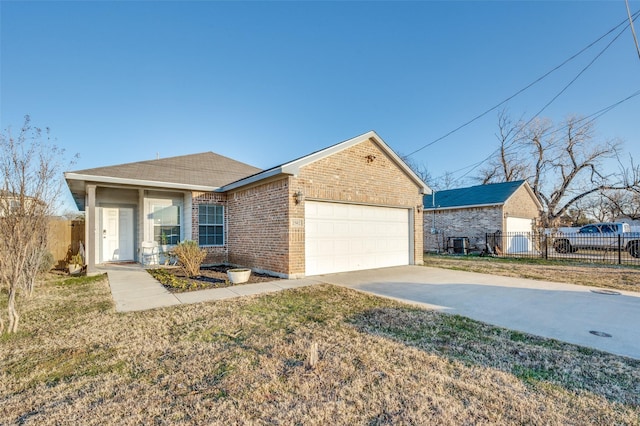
<point>265,226</point>
<point>215,255</point>
<point>363,174</point>
<point>258,231</point>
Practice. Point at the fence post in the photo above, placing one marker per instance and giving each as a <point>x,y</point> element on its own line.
<point>619,249</point>
<point>546,247</point>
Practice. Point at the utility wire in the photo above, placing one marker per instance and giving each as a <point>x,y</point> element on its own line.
<point>526,87</point>
<point>591,118</point>
<point>576,77</point>
<point>510,143</point>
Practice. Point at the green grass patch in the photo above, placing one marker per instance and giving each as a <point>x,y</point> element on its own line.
<point>80,280</point>
<point>533,375</point>
<point>502,259</point>
<point>63,364</point>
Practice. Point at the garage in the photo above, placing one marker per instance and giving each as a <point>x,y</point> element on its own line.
<point>343,237</point>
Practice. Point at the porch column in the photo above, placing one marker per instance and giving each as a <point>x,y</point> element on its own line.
<point>142,231</point>
<point>91,247</point>
<point>187,215</point>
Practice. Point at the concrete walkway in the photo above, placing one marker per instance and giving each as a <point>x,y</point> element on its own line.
<point>133,289</point>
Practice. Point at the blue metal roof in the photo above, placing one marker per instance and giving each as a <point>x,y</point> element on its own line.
<point>495,193</point>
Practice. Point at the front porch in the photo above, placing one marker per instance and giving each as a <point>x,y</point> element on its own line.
<point>121,221</point>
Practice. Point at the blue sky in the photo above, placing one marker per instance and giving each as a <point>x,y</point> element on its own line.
<point>266,82</point>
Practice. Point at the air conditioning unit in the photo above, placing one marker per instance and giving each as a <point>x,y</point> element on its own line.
<point>458,245</point>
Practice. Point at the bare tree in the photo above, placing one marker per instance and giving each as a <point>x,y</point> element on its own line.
<point>507,165</point>
<point>418,168</point>
<point>623,204</point>
<point>566,164</point>
<point>446,181</point>
<point>598,207</point>
<point>30,173</point>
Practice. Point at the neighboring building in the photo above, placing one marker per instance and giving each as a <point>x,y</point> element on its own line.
<point>12,203</point>
<point>354,205</point>
<point>510,208</point>
<point>629,220</point>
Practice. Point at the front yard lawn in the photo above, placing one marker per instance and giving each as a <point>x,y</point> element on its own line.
<point>244,361</point>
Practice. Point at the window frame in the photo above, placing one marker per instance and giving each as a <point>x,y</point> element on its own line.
<point>156,208</point>
<point>214,215</point>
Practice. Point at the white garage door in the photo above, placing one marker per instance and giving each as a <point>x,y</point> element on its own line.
<point>518,235</point>
<point>350,237</point>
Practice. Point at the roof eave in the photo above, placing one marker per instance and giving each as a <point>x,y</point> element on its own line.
<point>138,182</point>
<point>253,179</point>
<point>463,206</point>
<point>293,167</point>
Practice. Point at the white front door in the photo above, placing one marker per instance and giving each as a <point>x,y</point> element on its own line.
<point>117,234</point>
<point>351,237</point>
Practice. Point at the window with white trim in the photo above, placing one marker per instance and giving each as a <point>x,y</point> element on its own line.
<point>210,225</point>
<point>166,224</point>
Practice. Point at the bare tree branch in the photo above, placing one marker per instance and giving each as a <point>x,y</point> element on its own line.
<point>566,164</point>
<point>30,174</point>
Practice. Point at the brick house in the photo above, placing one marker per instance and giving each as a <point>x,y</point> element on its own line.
<point>354,205</point>
<point>510,208</point>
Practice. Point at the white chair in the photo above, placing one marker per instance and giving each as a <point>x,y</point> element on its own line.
<point>149,253</point>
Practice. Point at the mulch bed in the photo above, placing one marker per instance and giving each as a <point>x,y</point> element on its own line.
<point>175,280</point>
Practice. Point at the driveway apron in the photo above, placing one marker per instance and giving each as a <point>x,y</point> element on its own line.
<point>567,312</point>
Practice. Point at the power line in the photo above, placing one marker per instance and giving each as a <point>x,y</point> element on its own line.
<point>510,143</point>
<point>591,118</point>
<point>577,76</point>
<point>530,85</point>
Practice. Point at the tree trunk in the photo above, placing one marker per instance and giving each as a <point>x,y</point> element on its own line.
<point>13,313</point>
<point>31,285</point>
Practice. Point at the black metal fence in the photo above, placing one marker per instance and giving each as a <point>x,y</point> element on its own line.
<point>609,249</point>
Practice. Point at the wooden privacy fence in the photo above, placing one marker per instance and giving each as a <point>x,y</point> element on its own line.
<point>64,239</point>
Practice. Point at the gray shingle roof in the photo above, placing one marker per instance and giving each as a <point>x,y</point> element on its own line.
<point>496,193</point>
<point>207,169</point>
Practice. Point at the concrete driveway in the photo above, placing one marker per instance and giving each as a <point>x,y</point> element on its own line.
<point>561,311</point>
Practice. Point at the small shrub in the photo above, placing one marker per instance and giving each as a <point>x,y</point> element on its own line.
<point>190,257</point>
<point>77,259</point>
<point>171,281</point>
<point>46,262</point>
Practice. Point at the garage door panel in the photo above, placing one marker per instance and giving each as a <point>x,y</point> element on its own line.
<point>348,237</point>
<point>519,235</point>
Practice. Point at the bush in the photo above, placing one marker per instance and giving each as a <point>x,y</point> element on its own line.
<point>46,262</point>
<point>190,257</point>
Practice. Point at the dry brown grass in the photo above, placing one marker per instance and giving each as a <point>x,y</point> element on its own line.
<point>616,277</point>
<point>243,361</point>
